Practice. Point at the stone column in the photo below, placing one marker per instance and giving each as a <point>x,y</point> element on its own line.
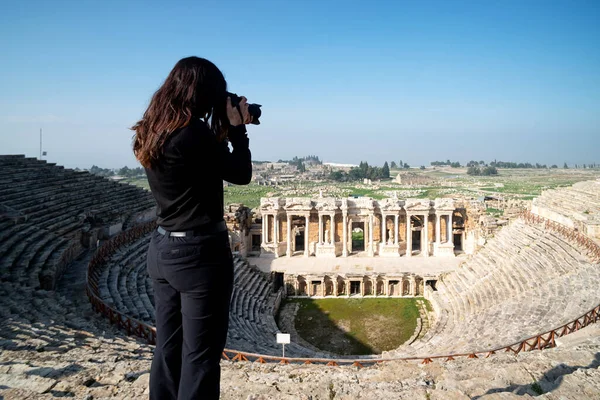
<point>345,234</point>
<point>320,239</point>
<point>348,287</point>
<point>383,228</point>
<point>449,226</point>
<point>408,236</point>
<point>396,228</point>
<point>264,230</point>
<point>438,228</point>
<point>335,286</point>
<point>306,218</point>
<point>322,288</point>
<point>413,286</point>
<point>332,229</point>
<point>425,242</point>
<point>289,236</point>
<point>371,223</point>
<point>276,232</point>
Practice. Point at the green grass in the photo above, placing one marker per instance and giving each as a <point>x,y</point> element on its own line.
<point>356,326</point>
<point>358,240</point>
<point>249,195</point>
<point>362,192</point>
<point>140,182</point>
<point>494,211</point>
<point>520,184</point>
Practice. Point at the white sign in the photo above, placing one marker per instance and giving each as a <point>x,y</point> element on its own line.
<point>283,338</point>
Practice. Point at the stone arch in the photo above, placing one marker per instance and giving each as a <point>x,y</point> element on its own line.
<point>341,286</point>
<point>380,289</point>
<point>405,287</point>
<point>417,228</point>
<point>368,286</point>
<point>328,286</point>
<point>417,221</point>
<point>302,288</point>
<point>459,219</point>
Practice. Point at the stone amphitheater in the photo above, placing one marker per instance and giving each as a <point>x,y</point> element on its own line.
<point>76,306</point>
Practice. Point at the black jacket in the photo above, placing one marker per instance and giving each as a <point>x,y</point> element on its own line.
<point>187,181</point>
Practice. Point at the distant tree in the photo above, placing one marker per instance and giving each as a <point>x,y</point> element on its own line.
<point>554,166</point>
<point>301,167</point>
<point>584,166</point>
<point>337,176</point>
<point>406,166</point>
<point>455,164</point>
<point>473,170</point>
<point>487,171</point>
<point>565,166</point>
<point>422,167</point>
<point>385,171</point>
<point>481,162</point>
<point>124,171</point>
<point>393,165</point>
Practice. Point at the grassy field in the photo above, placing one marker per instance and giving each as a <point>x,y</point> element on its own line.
<point>356,326</point>
<point>248,195</point>
<point>522,184</point>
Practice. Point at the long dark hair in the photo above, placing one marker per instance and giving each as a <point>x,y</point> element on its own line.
<point>195,88</point>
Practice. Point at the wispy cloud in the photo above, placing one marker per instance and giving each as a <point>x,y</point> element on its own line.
<point>43,119</point>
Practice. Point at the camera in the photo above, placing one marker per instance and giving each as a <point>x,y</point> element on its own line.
<point>253,109</point>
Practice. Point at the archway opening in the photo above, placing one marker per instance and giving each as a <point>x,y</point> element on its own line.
<point>358,237</point>
<point>458,245</point>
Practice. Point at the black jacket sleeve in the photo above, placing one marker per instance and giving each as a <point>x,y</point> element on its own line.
<point>236,165</point>
<point>203,152</point>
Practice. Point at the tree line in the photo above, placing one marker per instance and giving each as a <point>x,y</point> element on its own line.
<point>484,171</point>
<point>453,164</point>
<point>125,171</point>
<point>363,171</point>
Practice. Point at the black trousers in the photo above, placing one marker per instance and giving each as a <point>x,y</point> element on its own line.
<point>192,279</point>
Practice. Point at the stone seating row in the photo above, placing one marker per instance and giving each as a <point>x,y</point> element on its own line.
<point>39,317</point>
<point>523,282</point>
<point>28,253</point>
<point>52,200</point>
<point>103,202</point>
<point>582,200</point>
<point>124,284</point>
<point>45,192</point>
<point>523,315</point>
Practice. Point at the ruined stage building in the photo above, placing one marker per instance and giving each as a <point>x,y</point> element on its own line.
<point>330,227</point>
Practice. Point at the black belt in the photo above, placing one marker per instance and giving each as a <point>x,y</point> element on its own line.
<point>204,230</point>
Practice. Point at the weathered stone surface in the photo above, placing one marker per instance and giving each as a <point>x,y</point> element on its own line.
<point>30,382</point>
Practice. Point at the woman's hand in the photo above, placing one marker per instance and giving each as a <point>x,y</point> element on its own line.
<point>238,117</point>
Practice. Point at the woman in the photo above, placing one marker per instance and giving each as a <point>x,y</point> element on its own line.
<point>182,142</point>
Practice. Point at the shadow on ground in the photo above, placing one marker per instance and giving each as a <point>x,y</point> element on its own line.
<point>553,378</point>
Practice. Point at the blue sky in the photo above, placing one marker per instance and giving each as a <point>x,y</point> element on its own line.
<point>345,80</point>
